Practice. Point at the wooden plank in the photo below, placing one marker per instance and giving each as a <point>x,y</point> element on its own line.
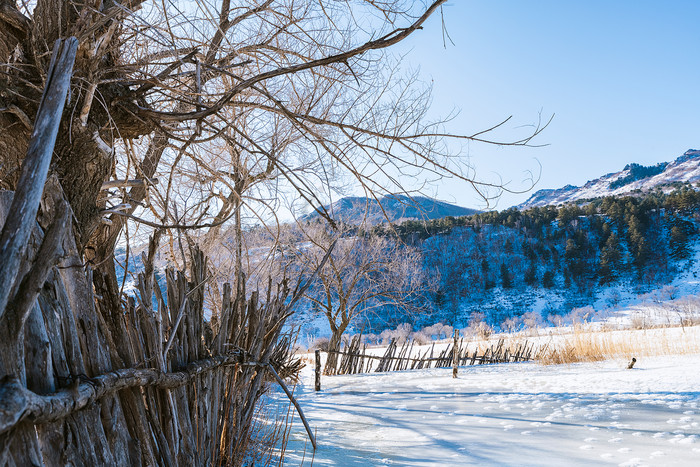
<point>25,204</point>
<point>455,354</point>
<point>317,374</point>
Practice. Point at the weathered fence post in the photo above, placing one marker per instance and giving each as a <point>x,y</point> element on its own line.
<point>317,376</point>
<point>455,353</point>
<point>14,236</point>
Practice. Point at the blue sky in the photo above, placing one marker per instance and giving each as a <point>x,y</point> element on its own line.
<point>621,77</point>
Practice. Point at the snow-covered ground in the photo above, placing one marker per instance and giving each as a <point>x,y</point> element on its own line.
<point>509,414</point>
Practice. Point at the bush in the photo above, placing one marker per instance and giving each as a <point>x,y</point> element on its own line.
<point>420,338</point>
<point>580,315</point>
<point>321,343</point>
<point>438,331</point>
<point>400,334</point>
<point>478,327</point>
<point>532,320</point>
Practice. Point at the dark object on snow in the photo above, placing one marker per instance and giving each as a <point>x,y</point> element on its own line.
<point>631,365</point>
<point>317,374</point>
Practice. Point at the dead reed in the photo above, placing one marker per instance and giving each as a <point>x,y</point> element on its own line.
<point>586,345</point>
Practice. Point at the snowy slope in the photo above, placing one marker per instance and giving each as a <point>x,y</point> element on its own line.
<point>521,414</point>
<point>684,169</point>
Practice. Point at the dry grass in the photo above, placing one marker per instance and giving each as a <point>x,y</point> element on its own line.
<point>586,345</point>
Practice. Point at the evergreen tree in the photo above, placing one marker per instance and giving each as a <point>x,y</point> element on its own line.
<point>506,280</point>
<point>678,242</point>
<point>638,245</point>
<point>531,275</point>
<point>573,257</point>
<point>548,280</point>
<point>610,257</point>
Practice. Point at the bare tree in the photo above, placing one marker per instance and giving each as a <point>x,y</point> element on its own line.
<point>297,86</point>
<point>363,275</point>
<point>294,93</point>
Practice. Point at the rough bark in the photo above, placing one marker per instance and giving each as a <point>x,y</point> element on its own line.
<point>25,204</point>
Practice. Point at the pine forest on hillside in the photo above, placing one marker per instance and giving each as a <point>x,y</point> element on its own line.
<point>495,265</point>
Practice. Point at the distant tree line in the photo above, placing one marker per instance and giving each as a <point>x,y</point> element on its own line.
<point>642,238</point>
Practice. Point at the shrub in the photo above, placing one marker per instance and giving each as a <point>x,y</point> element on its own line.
<point>438,331</point>
<point>321,344</point>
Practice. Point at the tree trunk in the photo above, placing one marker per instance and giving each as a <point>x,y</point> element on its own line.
<point>333,348</point>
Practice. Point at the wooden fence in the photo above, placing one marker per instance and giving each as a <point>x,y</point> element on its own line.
<point>91,385</point>
<point>355,359</point>
<point>91,377</point>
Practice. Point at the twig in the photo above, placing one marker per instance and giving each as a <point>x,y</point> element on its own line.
<point>296,404</point>
<point>180,315</point>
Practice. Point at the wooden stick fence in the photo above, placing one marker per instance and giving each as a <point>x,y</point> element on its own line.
<point>354,358</point>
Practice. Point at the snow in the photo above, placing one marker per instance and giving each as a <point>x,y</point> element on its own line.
<point>510,414</point>
<point>686,168</point>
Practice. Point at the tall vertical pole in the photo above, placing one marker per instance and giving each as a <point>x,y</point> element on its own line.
<point>14,236</point>
<point>317,376</point>
<point>455,354</point>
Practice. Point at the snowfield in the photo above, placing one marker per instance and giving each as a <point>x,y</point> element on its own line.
<point>523,414</point>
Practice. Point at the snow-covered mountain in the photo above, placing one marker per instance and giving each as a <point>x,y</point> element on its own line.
<point>355,210</point>
<point>633,177</point>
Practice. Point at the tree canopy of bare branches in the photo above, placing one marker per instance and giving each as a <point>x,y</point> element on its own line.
<point>227,104</point>
<point>364,275</point>
<point>180,118</point>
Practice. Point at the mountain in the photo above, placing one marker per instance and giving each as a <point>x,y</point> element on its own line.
<point>355,210</point>
<point>633,177</point>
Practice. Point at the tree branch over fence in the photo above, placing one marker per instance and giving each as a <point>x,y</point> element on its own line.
<point>384,42</point>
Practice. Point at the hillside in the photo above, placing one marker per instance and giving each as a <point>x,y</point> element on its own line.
<point>356,210</point>
<point>513,266</point>
<point>633,177</point>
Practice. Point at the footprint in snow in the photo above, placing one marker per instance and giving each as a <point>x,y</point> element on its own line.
<point>590,440</point>
<point>660,435</point>
<point>586,447</point>
<point>615,440</point>
<point>624,450</point>
<point>657,454</point>
<point>634,462</point>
